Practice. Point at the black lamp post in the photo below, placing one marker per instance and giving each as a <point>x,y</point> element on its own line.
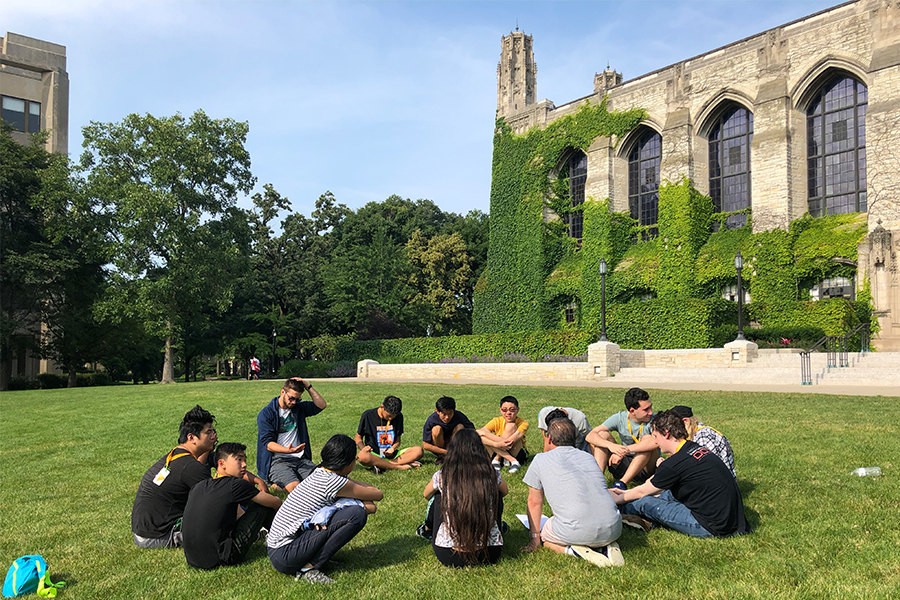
<point>739,264</point>
<point>274,337</point>
<point>603,300</point>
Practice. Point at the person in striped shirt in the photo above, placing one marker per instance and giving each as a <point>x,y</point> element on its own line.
<point>321,515</point>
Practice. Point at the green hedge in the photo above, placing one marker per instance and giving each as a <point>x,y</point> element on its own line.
<point>316,368</point>
<point>415,350</point>
<point>770,337</point>
<point>668,323</point>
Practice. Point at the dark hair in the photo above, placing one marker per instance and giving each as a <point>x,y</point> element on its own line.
<point>338,452</point>
<point>469,494</point>
<point>294,384</point>
<point>561,432</point>
<point>392,404</point>
<point>556,413</point>
<point>193,423</point>
<point>634,397</point>
<point>226,449</point>
<point>445,403</point>
<point>511,399</point>
<point>668,421</point>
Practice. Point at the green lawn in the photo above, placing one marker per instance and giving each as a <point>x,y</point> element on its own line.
<point>70,462</point>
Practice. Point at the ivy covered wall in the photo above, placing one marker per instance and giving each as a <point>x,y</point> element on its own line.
<point>662,293</point>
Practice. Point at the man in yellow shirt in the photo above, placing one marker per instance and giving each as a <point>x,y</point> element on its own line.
<point>504,436</point>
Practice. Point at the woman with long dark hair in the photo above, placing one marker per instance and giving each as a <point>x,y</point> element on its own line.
<point>467,504</point>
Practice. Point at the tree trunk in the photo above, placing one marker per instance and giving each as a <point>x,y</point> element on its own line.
<point>73,378</point>
<point>168,374</point>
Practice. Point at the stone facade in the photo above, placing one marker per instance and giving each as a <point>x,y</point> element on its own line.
<point>775,76</point>
<point>35,71</point>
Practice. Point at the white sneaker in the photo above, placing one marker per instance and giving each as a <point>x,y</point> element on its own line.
<point>513,467</point>
<point>592,556</point>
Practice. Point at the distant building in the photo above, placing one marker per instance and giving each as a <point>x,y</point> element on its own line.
<point>801,118</point>
<point>34,96</point>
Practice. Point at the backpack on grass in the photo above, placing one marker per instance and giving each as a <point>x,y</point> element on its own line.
<point>28,575</point>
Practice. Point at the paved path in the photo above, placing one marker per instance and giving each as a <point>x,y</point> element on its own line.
<point>847,390</point>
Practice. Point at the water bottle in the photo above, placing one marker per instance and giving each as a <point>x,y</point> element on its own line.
<point>867,472</point>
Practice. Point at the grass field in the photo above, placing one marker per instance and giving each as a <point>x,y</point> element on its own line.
<point>70,462</point>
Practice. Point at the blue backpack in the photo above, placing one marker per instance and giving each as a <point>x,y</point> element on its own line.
<point>27,575</point>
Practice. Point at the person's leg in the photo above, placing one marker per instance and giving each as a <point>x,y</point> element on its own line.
<point>437,438</point>
<point>290,558</point>
<point>282,472</point>
<point>343,527</point>
<point>601,455</point>
<point>449,557</point>
<point>408,456</point>
<point>666,511</point>
<point>639,460</point>
<point>246,530</point>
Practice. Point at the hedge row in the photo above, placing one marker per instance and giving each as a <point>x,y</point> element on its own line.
<point>52,381</point>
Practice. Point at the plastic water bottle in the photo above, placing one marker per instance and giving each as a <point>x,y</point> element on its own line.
<point>867,472</point>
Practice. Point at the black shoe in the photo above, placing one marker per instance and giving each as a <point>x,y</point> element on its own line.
<point>504,526</point>
<point>424,532</point>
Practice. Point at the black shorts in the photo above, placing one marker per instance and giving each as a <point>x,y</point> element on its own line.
<point>618,471</point>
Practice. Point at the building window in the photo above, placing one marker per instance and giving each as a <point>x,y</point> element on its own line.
<point>570,313</point>
<point>643,180</point>
<point>836,148</point>
<point>23,115</point>
<point>834,287</point>
<point>730,293</point>
<point>729,163</point>
<point>577,179</point>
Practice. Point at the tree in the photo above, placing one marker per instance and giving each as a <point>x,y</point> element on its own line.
<point>169,187</point>
<point>441,277</point>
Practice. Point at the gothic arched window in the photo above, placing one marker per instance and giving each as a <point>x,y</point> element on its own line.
<point>577,177</point>
<point>729,163</point>
<point>836,147</point>
<point>643,179</point>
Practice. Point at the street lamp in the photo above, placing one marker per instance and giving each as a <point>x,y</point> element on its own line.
<point>603,300</point>
<point>739,264</point>
<point>274,336</point>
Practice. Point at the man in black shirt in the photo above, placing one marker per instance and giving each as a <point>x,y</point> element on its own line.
<point>441,425</point>
<point>378,438</point>
<point>214,534</point>
<point>697,494</point>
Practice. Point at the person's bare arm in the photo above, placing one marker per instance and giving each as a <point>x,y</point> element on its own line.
<point>429,490</point>
<point>432,448</point>
<point>360,491</point>
<point>268,500</point>
<point>597,439</point>
<point>279,449</point>
<point>645,489</point>
<point>535,505</point>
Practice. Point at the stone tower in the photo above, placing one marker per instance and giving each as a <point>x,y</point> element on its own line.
<point>516,74</point>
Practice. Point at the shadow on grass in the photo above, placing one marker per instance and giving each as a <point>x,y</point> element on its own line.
<point>390,552</point>
<point>747,488</point>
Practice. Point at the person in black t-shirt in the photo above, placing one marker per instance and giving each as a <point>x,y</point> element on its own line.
<point>441,425</point>
<point>378,439</point>
<point>697,494</point>
<point>216,531</point>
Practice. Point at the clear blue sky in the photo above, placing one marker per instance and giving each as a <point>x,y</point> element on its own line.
<point>365,99</point>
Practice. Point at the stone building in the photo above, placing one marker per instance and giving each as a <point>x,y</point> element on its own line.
<point>34,96</point>
<point>801,118</point>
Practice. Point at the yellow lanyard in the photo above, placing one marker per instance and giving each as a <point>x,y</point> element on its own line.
<point>640,431</point>
<point>679,447</point>
<point>706,427</point>
<point>172,456</point>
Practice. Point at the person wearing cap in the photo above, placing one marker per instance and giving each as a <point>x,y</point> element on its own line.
<point>706,436</point>
<point>635,458</point>
<point>692,491</point>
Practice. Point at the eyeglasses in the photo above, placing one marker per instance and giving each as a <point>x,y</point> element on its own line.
<point>512,409</point>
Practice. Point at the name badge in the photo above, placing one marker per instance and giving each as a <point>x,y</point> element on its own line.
<point>161,476</point>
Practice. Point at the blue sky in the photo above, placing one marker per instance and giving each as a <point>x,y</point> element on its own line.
<point>365,99</point>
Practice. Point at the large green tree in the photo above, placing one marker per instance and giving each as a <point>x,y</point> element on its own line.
<point>169,187</point>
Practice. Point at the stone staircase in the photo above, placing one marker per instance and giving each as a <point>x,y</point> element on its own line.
<point>780,367</point>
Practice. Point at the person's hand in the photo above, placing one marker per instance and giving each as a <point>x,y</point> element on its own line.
<point>366,448</point>
<point>659,461</point>
<point>533,545</point>
<point>295,449</point>
<point>619,451</point>
<point>617,495</point>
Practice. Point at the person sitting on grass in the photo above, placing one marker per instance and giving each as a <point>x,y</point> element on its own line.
<point>583,524</point>
<point>578,418</point>
<point>378,439</point>
<point>466,505</point>
<point>216,530</point>
<point>697,494</point>
<point>504,436</point>
<point>635,458</point>
<point>441,425</point>
<point>156,517</point>
<point>706,436</point>
<point>298,547</point>
<point>283,455</point>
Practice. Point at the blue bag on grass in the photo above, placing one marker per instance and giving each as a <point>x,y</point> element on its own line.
<point>27,575</point>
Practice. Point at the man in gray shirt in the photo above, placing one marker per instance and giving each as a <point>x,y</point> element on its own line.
<point>585,521</point>
<point>578,418</point>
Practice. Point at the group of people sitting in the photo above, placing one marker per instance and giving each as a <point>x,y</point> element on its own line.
<point>216,518</point>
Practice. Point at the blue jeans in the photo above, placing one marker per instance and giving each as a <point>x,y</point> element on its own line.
<point>667,511</point>
<point>317,546</point>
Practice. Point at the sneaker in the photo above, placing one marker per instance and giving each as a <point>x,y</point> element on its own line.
<point>592,556</point>
<point>497,463</point>
<point>263,534</point>
<point>514,467</point>
<point>614,554</point>
<point>314,576</point>
<point>637,522</point>
<point>377,470</point>
<point>424,532</point>
<point>504,526</point>
<point>619,485</point>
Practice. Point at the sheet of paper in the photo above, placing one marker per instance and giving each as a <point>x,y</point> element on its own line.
<point>524,520</point>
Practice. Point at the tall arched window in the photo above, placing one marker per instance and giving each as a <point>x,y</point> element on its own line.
<point>729,163</point>
<point>836,147</point>
<point>577,178</point>
<point>643,179</point>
